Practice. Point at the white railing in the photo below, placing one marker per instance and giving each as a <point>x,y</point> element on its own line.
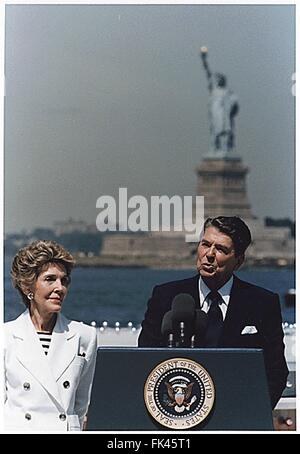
<point>115,335</point>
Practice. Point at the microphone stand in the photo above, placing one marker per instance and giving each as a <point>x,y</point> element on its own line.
<point>181,336</point>
<point>182,342</point>
<point>170,340</point>
<point>193,341</point>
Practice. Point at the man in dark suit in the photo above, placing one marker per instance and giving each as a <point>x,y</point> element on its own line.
<point>240,315</point>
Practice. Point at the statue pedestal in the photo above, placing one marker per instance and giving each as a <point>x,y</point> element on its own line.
<point>222,182</point>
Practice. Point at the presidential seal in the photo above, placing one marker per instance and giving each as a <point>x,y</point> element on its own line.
<point>179,393</point>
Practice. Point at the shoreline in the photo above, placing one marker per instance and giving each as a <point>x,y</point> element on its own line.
<point>171,263</point>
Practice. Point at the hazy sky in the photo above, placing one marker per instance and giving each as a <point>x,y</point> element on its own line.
<point>106,96</point>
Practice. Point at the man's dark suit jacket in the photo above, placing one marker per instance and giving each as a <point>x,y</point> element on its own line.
<point>249,305</point>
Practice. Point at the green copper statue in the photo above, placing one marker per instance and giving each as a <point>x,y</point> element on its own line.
<point>223,107</point>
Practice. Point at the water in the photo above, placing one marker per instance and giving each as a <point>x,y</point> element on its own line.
<point>121,294</point>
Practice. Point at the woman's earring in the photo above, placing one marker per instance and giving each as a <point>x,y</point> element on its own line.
<point>30,296</point>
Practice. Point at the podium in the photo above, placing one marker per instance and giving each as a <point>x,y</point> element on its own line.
<point>145,389</point>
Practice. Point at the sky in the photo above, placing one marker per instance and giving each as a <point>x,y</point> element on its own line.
<point>99,97</point>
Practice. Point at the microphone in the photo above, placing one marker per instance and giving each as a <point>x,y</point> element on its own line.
<point>201,321</point>
<point>183,318</point>
<point>167,328</point>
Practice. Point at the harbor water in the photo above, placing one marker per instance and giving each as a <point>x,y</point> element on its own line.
<point>121,294</point>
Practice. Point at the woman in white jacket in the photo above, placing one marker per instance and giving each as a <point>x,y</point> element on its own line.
<point>49,360</point>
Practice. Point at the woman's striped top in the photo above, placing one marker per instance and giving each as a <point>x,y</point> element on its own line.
<point>45,339</point>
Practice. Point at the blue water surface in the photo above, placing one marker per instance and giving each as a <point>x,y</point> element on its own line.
<point>121,294</point>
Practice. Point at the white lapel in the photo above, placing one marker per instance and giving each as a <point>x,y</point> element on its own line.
<point>63,346</point>
<point>30,354</point>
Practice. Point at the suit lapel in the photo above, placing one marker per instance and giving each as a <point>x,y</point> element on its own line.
<point>63,347</point>
<point>30,354</point>
<point>236,313</point>
<point>193,289</point>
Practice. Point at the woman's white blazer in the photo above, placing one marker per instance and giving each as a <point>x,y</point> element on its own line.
<point>47,393</point>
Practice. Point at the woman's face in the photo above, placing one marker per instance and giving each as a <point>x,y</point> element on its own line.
<point>50,289</point>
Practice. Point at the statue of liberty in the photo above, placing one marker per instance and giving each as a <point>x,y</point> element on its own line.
<point>223,107</point>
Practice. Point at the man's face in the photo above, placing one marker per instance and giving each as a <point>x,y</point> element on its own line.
<point>216,259</point>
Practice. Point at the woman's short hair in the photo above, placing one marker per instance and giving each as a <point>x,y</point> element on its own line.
<point>30,260</point>
<point>235,228</point>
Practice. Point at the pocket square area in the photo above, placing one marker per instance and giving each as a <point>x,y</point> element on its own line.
<point>249,330</point>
